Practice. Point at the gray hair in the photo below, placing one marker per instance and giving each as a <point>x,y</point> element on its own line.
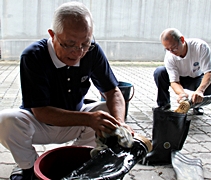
<point>173,32</point>
<point>72,9</point>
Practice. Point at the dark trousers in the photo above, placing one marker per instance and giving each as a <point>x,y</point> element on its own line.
<point>161,78</point>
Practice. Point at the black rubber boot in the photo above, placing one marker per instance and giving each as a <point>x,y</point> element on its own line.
<point>169,132</point>
<point>112,163</point>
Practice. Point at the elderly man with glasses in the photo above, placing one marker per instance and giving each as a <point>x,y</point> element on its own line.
<point>187,66</point>
<point>55,77</point>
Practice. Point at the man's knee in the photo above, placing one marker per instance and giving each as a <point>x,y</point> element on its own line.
<point>159,72</point>
<point>6,118</point>
<point>102,106</point>
<point>6,123</point>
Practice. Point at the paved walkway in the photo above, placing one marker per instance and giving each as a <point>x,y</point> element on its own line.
<point>197,144</point>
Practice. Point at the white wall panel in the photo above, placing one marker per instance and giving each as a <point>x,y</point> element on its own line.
<point>126,29</point>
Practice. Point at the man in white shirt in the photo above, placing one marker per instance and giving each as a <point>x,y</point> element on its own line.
<point>187,66</point>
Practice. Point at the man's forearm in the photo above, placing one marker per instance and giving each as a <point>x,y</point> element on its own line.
<point>116,104</point>
<point>206,80</point>
<point>60,117</point>
<point>177,88</point>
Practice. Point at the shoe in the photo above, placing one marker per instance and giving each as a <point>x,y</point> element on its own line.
<point>198,111</point>
<point>163,108</point>
<point>23,174</point>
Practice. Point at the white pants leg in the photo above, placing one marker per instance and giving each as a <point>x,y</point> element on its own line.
<point>19,130</point>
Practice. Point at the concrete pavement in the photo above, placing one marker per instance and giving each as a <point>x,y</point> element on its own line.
<point>140,74</point>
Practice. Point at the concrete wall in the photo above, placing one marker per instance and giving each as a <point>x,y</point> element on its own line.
<point>126,29</point>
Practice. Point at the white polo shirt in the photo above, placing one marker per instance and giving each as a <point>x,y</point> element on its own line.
<point>196,61</point>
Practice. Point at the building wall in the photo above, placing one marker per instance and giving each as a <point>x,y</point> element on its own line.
<point>126,29</point>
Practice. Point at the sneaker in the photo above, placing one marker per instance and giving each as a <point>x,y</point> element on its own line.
<point>164,108</point>
<point>198,111</point>
<point>23,174</point>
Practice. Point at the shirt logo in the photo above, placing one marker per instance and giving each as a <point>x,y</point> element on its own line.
<point>84,78</point>
<point>195,67</point>
<point>196,64</point>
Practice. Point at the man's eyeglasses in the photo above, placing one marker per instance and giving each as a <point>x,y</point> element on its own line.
<point>83,48</point>
<point>174,48</point>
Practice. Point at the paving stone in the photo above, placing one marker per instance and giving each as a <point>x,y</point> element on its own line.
<point>150,172</point>
<point>5,171</point>
<point>6,158</point>
<point>202,138</point>
<point>195,148</point>
<point>190,139</point>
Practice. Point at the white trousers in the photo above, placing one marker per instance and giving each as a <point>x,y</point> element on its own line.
<point>19,130</point>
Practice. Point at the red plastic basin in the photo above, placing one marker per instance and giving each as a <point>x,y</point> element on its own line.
<point>58,163</point>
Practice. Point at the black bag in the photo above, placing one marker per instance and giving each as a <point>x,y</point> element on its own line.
<point>169,132</point>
